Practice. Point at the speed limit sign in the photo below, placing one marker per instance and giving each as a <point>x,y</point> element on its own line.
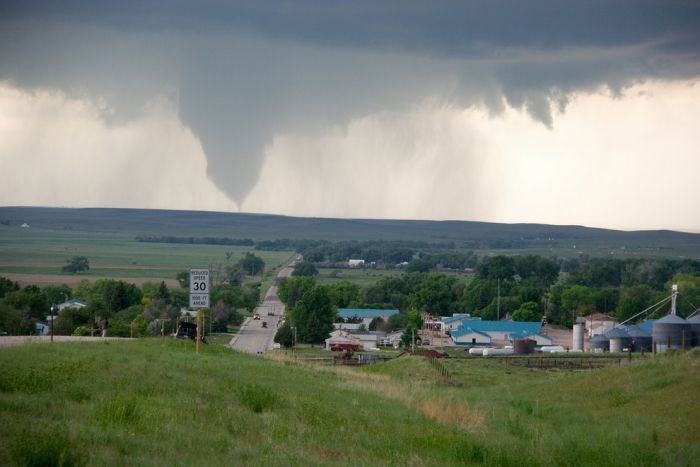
<point>199,288</point>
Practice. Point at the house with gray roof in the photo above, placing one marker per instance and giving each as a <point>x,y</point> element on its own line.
<point>366,315</point>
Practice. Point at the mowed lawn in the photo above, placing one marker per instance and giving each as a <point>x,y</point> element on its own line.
<point>41,253</point>
<point>154,402</point>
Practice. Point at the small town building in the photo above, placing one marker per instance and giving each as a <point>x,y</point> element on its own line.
<point>72,303</point>
<point>364,316</point>
<point>450,323</point>
<point>498,332</point>
<point>469,336</point>
<point>356,263</point>
<point>599,323</point>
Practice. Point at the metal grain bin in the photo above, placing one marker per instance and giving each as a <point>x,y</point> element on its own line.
<point>671,332</point>
<point>619,339</point>
<point>641,340</point>
<point>579,327</point>
<point>524,346</point>
<point>600,343</point>
<point>694,330</point>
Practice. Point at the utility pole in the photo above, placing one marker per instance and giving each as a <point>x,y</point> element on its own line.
<point>498,301</point>
<point>53,309</point>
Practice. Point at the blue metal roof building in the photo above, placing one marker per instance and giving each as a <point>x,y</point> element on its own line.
<point>470,331</point>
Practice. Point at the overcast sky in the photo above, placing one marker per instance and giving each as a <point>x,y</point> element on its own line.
<point>509,111</point>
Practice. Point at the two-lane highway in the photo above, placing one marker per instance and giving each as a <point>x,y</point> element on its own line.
<point>253,337</point>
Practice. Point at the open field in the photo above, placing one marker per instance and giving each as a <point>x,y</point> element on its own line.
<point>149,402</point>
<point>365,277</point>
<point>37,255</point>
<point>482,237</point>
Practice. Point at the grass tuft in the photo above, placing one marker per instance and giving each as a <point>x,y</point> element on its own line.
<point>256,397</point>
<point>45,449</point>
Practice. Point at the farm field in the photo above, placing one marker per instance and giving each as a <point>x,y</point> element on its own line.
<point>365,277</point>
<point>481,237</point>
<point>149,402</point>
<point>35,256</point>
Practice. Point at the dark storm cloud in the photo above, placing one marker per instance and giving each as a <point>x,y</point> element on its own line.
<point>241,71</point>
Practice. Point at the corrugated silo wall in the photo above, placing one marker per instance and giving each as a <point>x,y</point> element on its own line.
<point>694,330</point>
<point>671,332</point>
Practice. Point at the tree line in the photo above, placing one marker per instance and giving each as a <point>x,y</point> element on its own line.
<point>522,288</point>
<point>128,308</point>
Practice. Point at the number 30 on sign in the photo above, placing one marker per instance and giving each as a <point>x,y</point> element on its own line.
<point>199,288</point>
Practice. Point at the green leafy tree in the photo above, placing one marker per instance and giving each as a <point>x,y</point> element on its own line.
<point>180,298</point>
<point>634,300</point>
<point>305,268</point>
<point>163,293</point>
<point>115,295</point>
<point>285,335</point>
<point>29,301</point>
<point>478,294</point>
<point>292,289</point>
<point>689,290</point>
<point>411,333</point>
<point>497,267</point>
<point>377,324</point>
<point>56,294</point>
<point>69,319</point>
<point>500,308</point>
<point>183,278</point>
<point>251,295</point>
<point>77,264</point>
<point>419,265</point>
<point>396,322</point>
<point>528,311</point>
<point>436,294</point>
<point>313,316</point>
<point>228,295</point>
<point>344,294</point>
<point>15,321</point>
<point>577,300</point>
<point>222,316</point>
<point>606,299</point>
<point>541,272</point>
<point>252,264</point>
<point>7,286</point>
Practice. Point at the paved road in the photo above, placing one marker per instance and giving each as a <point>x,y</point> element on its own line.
<point>253,337</point>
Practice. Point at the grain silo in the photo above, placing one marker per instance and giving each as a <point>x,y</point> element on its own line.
<point>694,322</point>
<point>641,340</point>
<point>600,343</point>
<point>671,332</point>
<point>619,339</point>
<point>524,346</point>
<point>578,334</point>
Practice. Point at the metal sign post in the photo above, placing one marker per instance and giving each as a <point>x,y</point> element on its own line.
<point>199,297</point>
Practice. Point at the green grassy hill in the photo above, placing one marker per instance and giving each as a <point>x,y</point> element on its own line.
<point>150,402</point>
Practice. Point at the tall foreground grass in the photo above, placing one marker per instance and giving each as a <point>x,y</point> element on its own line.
<point>149,403</point>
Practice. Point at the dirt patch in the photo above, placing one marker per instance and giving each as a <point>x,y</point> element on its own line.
<point>42,280</point>
<point>93,265</point>
<point>452,413</point>
<point>563,337</point>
